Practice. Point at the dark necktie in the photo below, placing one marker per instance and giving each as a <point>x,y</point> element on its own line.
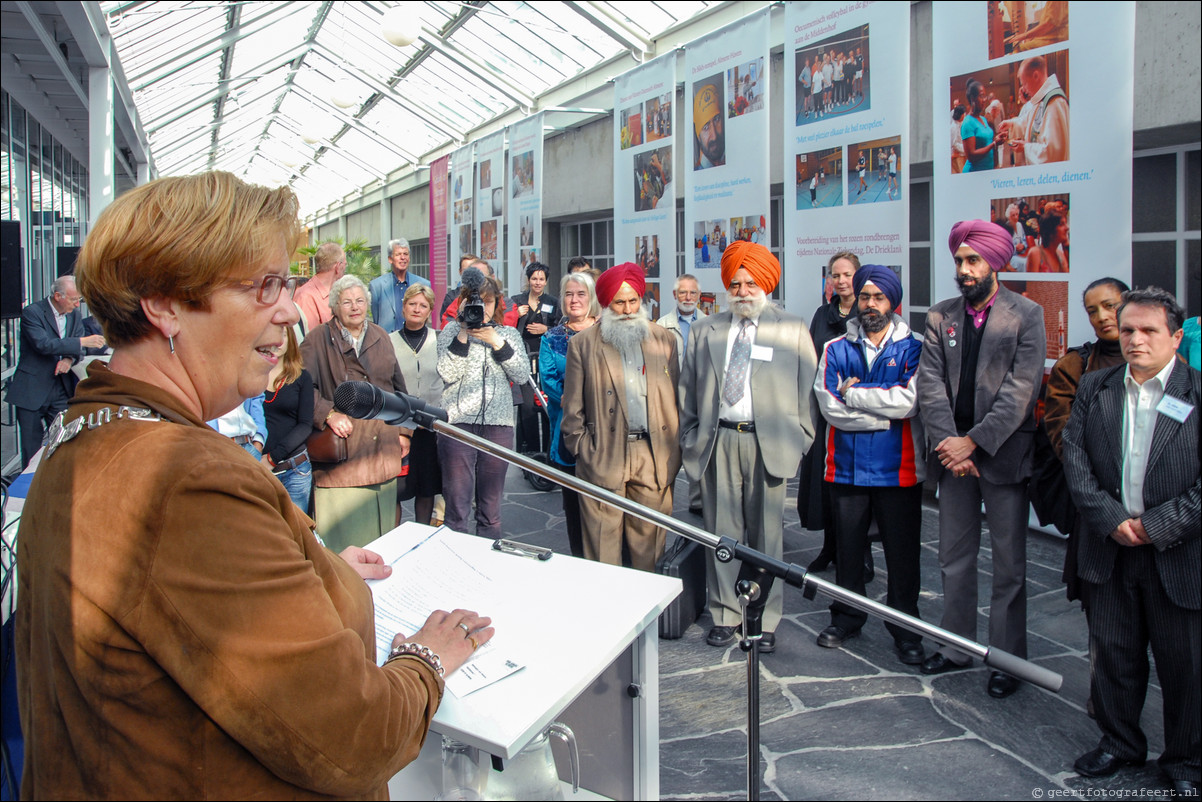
<point>736,371</point>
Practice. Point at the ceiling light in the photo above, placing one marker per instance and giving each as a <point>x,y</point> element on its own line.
<point>397,27</point>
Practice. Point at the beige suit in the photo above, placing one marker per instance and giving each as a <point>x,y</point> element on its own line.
<point>743,475</point>
<point>595,430</point>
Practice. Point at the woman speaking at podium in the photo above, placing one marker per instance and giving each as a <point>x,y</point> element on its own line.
<point>181,633</point>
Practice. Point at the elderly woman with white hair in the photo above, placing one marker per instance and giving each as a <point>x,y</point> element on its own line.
<point>354,498</point>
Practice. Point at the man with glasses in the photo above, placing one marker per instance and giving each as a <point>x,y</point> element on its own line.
<point>687,293</point>
<point>52,340</point>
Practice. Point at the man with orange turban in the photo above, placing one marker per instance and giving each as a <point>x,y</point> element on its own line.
<point>620,420</point>
<point>978,380</point>
<point>745,422</point>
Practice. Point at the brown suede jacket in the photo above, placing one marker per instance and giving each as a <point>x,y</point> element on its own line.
<point>182,635</point>
<point>1062,386</point>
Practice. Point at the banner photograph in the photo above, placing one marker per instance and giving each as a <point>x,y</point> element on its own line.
<point>462,200</point>
<point>526,198</point>
<point>644,186</point>
<point>490,198</point>
<point>726,163</point>
<point>1008,93</point>
<point>845,120</point>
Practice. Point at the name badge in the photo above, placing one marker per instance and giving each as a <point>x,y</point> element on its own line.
<point>548,308</point>
<point>1175,408</point>
<point>761,352</point>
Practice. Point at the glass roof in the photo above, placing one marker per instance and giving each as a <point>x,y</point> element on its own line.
<point>312,94</point>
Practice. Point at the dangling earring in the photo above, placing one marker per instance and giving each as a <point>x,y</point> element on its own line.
<point>171,343</point>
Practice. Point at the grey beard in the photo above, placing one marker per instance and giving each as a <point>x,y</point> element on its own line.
<point>624,332</point>
<point>686,309</point>
<point>747,307</point>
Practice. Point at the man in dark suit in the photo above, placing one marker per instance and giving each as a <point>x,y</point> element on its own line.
<point>745,422</point>
<point>978,380</point>
<point>1132,465</point>
<point>52,340</point>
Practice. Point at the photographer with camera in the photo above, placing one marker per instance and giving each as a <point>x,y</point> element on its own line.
<point>477,359</point>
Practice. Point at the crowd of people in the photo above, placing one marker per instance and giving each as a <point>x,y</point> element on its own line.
<point>219,629</point>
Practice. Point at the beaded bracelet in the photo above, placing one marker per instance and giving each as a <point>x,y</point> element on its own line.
<point>421,652</point>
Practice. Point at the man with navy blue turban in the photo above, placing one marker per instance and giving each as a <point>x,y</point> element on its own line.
<point>867,392</point>
<point>978,381</point>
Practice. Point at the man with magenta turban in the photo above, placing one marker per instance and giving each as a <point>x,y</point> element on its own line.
<point>978,381</point>
<point>620,420</point>
<point>745,422</point>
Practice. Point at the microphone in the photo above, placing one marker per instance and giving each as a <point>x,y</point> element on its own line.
<point>365,400</point>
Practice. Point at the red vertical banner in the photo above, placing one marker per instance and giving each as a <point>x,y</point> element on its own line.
<point>439,183</point>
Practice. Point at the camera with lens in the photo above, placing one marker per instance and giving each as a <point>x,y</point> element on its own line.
<point>471,314</point>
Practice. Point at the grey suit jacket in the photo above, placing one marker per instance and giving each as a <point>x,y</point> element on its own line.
<point>41,349</point>
<point>1093,466</point>
<point>780,391</point>
<point>1009,373</point>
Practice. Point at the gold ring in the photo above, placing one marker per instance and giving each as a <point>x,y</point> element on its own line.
<point>463,626</point>
<point>475,643</point>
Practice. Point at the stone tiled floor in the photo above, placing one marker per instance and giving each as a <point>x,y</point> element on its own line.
<point>854,723</point>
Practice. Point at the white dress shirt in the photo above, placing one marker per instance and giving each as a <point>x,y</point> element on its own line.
<point>1139,422</point>
<point>741,410</point>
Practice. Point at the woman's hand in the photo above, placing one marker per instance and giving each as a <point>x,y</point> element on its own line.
<point>452,636</point>
<point>367,564</point>
<point>340,423</point>
<point>488,335</point>
<point>523,310</point>
<point>536,329</point>
<point>406,441</point>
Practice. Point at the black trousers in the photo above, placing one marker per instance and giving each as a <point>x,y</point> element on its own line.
<point>34,422</point>
<point>898,513</point>
<point>1126,614</point>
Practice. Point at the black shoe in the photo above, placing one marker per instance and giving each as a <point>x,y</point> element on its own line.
<point>938,664</point>
<point>1001,685</point>
<point>768,643</point>
<point>910,652</point>
<point>1186,788</point>
<point>833,637</point>
<point>721,636</point>
<point>820,563</point>
<point>1100,763</point>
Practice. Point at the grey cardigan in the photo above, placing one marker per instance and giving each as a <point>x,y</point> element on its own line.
<point>477,378</point>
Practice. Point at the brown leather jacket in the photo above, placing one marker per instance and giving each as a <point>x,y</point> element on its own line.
<point>375,453</point>
<point>182,635</point>
<point>1062,387</point>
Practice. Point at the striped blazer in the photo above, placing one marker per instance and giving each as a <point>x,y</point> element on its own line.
<point>1093,465</point>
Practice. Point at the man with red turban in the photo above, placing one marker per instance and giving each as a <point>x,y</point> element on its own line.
<point>745,422</point>
<point>620,420</point>
<point>978,380</point>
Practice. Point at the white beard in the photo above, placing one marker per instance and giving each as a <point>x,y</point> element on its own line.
<point>684,310</point>
<point>624,332</point>
<point>747,307</point>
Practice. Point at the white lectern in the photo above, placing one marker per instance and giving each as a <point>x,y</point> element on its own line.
<point>588,635</point>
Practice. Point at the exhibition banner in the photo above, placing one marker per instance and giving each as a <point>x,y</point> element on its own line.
<point>846,141</point>
<point>644,192</point>
<point>438,224</point>
<point>526,206</point>
<point>726,182</point>
<point>462,207</point>
<point>490,199</point>
<point>1004,85</point>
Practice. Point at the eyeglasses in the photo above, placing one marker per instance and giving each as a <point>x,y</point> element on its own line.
<point>352,303</point>
<point>270,286</point>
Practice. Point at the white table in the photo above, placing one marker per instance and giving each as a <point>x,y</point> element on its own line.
<point>588,634</point>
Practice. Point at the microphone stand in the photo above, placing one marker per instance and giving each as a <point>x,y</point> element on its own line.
<point>755,580</point>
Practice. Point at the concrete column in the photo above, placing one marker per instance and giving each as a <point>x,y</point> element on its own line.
<point>143,172</point>
<point>101,145</point>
